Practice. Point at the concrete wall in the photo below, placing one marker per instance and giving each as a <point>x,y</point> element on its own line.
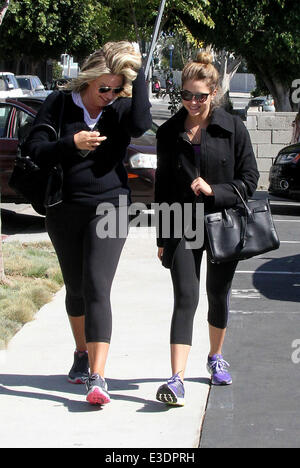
<point>269,133</point>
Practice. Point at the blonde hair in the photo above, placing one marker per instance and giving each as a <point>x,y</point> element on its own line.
<point>296,130</point>
<point>116,58</point>
<point>203,69</point>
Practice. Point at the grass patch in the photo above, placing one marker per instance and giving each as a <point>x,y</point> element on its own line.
<point>34,274</point>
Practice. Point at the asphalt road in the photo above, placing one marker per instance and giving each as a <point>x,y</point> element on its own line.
<point>260,409</point>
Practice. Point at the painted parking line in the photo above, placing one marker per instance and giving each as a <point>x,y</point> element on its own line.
<point>260,312</point>
<point>245,294</point>
<point>289,242</point>
<point>286,220</point>
<point>262,272</point>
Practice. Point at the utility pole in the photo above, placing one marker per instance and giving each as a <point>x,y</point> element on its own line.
<point>153,42</point>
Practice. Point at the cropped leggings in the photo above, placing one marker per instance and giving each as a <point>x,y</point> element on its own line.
<point>185,274</point>
<point>88,264</point>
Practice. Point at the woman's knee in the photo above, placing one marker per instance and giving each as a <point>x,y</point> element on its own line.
<point>187,301</point>
<point>218,308</point>
<point>74,305</point>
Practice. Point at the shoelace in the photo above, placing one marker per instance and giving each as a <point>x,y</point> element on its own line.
<point>219,365</point>
<point>174,379</point>
<point>96,377</point>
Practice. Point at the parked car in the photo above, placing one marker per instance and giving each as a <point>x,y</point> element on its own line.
<point>31,85</point>
<point>16,118</point>
<point>284,176</point>
<point>261,104</point>
<point>9,86</point>
<point>57,84</point>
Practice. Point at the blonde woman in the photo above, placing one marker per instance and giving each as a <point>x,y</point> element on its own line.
<point>201,151</point>
<point>105,106</point>
<point>296,129</point>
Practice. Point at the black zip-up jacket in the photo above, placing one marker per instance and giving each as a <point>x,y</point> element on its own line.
<point>226,157</point>
<point>101,176</point>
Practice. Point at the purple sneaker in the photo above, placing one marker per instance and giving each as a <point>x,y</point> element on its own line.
<point>217,367</point>
<point>172,393</point>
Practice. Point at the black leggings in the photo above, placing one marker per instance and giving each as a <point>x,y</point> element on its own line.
<point>88,265</point>
<point>186,281</point>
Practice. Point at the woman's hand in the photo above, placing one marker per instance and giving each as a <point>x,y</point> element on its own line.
<point>160,253</point>
<point>200,186</point>
<point>88,140</point>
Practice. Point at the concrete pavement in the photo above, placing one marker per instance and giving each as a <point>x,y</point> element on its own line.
<point>254,412</point>
<point>39,408</point>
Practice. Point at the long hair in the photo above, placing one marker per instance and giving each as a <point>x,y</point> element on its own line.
<point>117,58</point>
<point>296,129</point>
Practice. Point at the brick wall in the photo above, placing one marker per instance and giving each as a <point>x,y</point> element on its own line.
<point>269,132</point>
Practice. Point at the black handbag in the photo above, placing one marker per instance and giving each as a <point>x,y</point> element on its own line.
<point>33,183</point>
<point>241,232</point>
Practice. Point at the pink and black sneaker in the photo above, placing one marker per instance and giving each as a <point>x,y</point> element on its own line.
<point>79,372</point>
<point>97,393</point>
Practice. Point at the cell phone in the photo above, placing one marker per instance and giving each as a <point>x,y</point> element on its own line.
<point>85,153</point>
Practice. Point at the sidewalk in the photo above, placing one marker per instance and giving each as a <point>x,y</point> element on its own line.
<point>39,408</point>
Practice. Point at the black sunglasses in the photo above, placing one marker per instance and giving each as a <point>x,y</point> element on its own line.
<point>188,96</point>
<point>105,89</point>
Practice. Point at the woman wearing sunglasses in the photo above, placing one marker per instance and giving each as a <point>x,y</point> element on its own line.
<point>296,129</point>
<point>201,150</point>
<point>104,107</point>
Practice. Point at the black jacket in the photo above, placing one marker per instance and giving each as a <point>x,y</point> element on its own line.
<point>226,156</point>
<point>101,176</point>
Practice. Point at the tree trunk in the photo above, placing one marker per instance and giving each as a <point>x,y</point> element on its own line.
<point>282,98</point>
<point>279,91</point>
<point>227,68</point>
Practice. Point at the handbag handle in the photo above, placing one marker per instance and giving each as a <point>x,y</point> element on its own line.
<point>244,220</point>
<point>248,211</point>
<point>56,134</point>
<point>47,127</point>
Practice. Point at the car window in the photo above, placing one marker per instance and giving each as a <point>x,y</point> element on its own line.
<point>24,83</point>
<point>2,84</point>
<point>14,123</point>
<point>4,116</point>
<point>12,80</point>
<point>38,81</point>
<point>147,139</point>
<point>24,122</point>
